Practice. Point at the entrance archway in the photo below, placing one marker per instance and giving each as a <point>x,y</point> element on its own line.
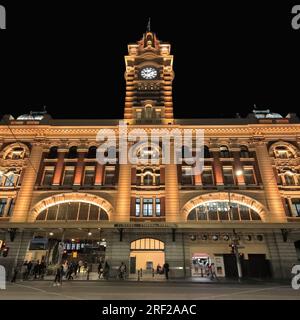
<point>147,256</point>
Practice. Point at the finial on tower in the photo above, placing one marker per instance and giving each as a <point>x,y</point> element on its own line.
<point>149,25</point>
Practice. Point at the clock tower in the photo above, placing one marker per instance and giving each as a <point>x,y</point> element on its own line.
<point>149,75</point>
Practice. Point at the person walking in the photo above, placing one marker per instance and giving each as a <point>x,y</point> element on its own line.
<point>122,271</point>
<point>213,274</point>
<point>58,276</point>
<point>106,271</point>
<point>100,270</point>
<point>166,270</point>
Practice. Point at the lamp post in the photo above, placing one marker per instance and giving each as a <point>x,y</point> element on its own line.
<point>235,240</point>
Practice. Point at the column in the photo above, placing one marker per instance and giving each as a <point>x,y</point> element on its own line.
<point>59,167</point>
<point>217,166</point>
<point>272,194</point>
<point>99,174</point>
<point>79,169</point>
<point>172,189</point>
<point>23,201</point>
<point>124,193</point>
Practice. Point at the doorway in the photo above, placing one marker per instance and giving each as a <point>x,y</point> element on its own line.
<point>147,256</point>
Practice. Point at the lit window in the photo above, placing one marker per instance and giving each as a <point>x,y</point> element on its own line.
<point>147,207</point>
<point>157,207</point>
<point>187,177</point>
<point>137,207</point>
<point>296,207</point>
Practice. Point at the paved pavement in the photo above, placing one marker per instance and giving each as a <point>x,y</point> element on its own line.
<point>128,290</point>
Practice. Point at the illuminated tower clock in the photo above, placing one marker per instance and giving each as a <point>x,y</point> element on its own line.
<point>149,75</point>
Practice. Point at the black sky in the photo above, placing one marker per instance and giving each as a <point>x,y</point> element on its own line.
<point>227,57</point>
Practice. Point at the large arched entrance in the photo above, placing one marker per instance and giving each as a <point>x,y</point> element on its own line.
<point>147,256</point>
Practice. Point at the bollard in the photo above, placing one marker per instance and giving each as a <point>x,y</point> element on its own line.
<point>2,278</point>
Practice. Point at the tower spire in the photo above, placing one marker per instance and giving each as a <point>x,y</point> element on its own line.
<point>149,25</point>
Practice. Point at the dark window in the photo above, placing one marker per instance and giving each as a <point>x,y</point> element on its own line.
<point>224,152</point>
<point>207,177</point>
<point>206,152</point>
<point>92,153</point>
<point>68,177</point>
<point>228,176</point>
<point>2,206</point>
<point>249,176</point>
<point>48,177</point>
<point>11,208</point>
<point>109,178</point>
<point>296,206</point>
<point>89,176</point>
<point>244,152</point>
<point>52,153</point>
<point>72,153</point>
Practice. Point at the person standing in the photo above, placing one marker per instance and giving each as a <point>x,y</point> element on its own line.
<point>166,270</point>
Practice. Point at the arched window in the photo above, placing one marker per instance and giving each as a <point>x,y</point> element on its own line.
<point>92,152</point>
<point>244,153</point>
<point>73,153</point>
<point>52,153</point>
<point>73,211</point>
<point>224,152</point>
<point>206,152</point>
<point>222,211</point>
<point>283,152</point>
<point>16,153</point>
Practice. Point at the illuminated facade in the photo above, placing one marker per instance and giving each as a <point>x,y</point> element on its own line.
<point>53,189</point>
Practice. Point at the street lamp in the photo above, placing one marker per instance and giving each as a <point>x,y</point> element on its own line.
<point>235,239</point>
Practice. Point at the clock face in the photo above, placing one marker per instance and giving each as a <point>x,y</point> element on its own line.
<point>148,73</point>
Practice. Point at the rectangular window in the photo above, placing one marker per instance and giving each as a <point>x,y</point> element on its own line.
<point>109,177</point>
<point>187,177</point>
<point>2,206</point>
<point>11,208</point>
<point>296,207</point>
<point>147,207</point>
<point>89,176</point>
<point>228,176</point>
<point>249,175</point>
<point>157,207</point>
<point>137,207</point>
<point>10,180</point>
<point>68,176</point>
<point>207,176</point>
<point>48,176</point>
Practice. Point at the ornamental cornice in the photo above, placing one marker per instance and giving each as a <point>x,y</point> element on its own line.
<point>91,132</point>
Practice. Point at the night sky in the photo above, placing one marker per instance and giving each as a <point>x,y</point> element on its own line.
<point>227,57</point>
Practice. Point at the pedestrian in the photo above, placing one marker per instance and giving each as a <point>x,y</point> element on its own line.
<point>213,274</point>
<point>100,270</point>
<point>58,276</point>
<point>166,269</point>
<point>29,267</point>
<point>24,271</point>
<point>122,271</point>
<point>106,271</point>
<point>16,271</point>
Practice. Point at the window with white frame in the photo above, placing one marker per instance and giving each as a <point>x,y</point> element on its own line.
<point>89,176</point>
<point>68,178</point>
<point>249,175</point>
<point>48,176</point>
